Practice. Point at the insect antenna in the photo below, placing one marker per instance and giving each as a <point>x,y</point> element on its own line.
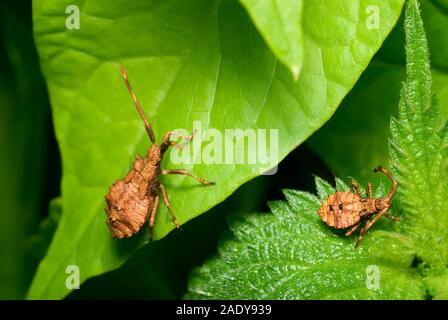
<point>137,104</point>
<point>389,175</point>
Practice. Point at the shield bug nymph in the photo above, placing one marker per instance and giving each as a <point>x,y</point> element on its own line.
<point>345,209</point>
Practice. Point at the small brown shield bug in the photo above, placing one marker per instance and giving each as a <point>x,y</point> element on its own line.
<point>135,199</point>
<point>345,209</point>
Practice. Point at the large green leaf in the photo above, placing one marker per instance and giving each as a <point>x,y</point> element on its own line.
<point>189,61</point>
<point>355,149</point>
<point>280,23</point>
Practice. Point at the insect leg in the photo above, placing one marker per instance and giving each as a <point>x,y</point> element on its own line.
<point>186,139</point>
<point>352,229</point>
<point>391,217</point>
<point>166,141</point>
<point>355,186</point>
<point>152,137</point>
<point>152,216</point>
<point>168,205</point>
<point>369,190</point>
<point>368,225</point>
<point>389,175</point>
<point>187,173</point>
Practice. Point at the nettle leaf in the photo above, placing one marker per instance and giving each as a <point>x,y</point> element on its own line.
<point>188,61</point>
<point>280,23</point>
<point>291,254</point>
<point>419,152</point>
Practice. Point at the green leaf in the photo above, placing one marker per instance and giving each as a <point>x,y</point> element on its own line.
<point>437,286</point>
<point>356,149</point>
<point>280,23</point>
<point>197,61</point>
<point>291,254</point>
<point>419,151</point>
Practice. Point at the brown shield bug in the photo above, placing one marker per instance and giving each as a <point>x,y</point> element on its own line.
<point>135,199</point>
<point>345,209</point>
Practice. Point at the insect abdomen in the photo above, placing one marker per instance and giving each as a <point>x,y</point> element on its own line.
<point>128,201</point>
<point>341,210</point>
<point>126,211</point>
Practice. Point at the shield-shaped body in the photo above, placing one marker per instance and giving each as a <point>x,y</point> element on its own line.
<point>341,210</point>
<point>130,201</point>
